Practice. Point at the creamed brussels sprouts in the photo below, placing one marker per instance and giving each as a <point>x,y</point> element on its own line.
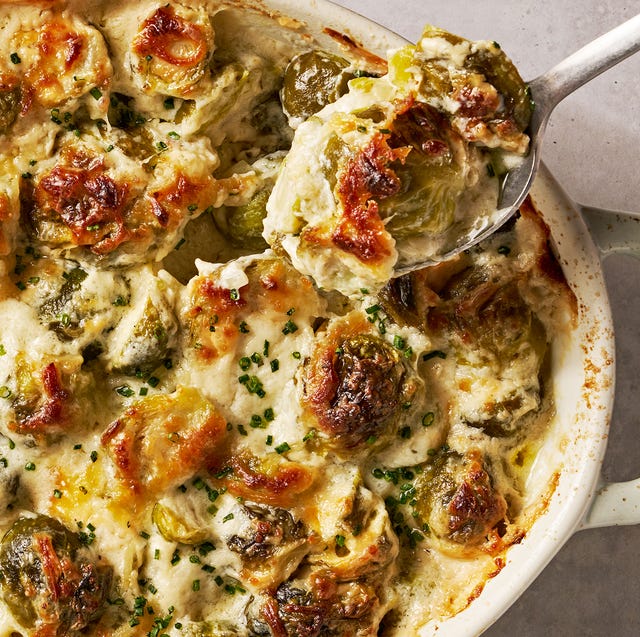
<point>220,414</point>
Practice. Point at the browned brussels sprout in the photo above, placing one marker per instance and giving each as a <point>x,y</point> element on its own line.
<point>311,81</point>
<point>457,499</point>
<point>432,181</point>
<point>355,386</point>
<point>488,313</point>
<point>493,103</point>
<point>270,544</point>
<point>47,578</point>
<point>317,608</point>
<point>500,71</point>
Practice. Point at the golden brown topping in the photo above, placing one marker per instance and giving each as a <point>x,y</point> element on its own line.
<point>48,412</point>
<point>268,480</point>
<point>163,440</point>
<point>77,202</point>
<point>173,48</point>
<point>216,312</point>
<point>366,178</point>
<point>63,59</point>
<point>171,38</point>
<point>85,198</point>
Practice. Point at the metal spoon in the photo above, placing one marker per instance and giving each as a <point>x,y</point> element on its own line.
<point>547,91</point>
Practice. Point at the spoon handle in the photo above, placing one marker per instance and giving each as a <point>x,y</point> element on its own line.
<point>586,63</point>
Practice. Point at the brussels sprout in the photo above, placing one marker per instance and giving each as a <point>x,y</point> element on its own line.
<point>356,388</point>
<point>58,310</point>
<point>164,439</point>
<point>334,155</point>
<point>9,486</point>
<point>399,299</point>
<point>47,579</point>
<point>173,528</point>
<point>10,95</point>
<point>268,529</point>
<point>70,304</point>
<point>317,607</point>
<point>436,81</point>
<point>500,71</point>
<point>311,81</point>
<point>173,49</point>
<point>245,223</point>
<point>432,177</point>
<point>146,335</point>
<point>210,629</point>
<point>455,496</point>
<point>491,314</point>
<point>484,86</point>
<point>148,345</point>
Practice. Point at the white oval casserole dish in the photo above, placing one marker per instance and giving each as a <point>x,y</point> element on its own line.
<point>583,375</point>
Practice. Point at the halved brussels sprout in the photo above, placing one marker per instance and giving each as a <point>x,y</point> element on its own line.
<point>220,628</point>
<point>267,532</point>
<point>69,300</point>
<point>47,578</point>
<point>174,528</point>
<point>9,487</point>
<point>318,606</point>
<point>456,497</point>
<point>246,222</point>
<point>311,81</point>
<point>270,542</point>
<point>146,335</point>
<point>164,439</point>
<point>489,314</point>
<point>59,311</point>
<point>432,177</point>
<point>500,71</point>
<point>173,49</point>
<point>482,90</point>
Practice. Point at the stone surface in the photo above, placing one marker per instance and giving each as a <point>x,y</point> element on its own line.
<point>592,146</point>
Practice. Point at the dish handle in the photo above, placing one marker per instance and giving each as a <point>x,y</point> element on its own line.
<point>613,232</point>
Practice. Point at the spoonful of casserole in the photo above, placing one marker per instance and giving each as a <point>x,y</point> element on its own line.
<point>410,168</point>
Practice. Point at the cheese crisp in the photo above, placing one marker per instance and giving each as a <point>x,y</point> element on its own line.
<point>219,413</point>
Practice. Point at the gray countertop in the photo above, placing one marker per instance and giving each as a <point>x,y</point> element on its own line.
<point>592,146</point>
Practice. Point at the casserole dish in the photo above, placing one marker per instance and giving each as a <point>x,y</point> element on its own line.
<point>582,238</point>
<point>152,456</point>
